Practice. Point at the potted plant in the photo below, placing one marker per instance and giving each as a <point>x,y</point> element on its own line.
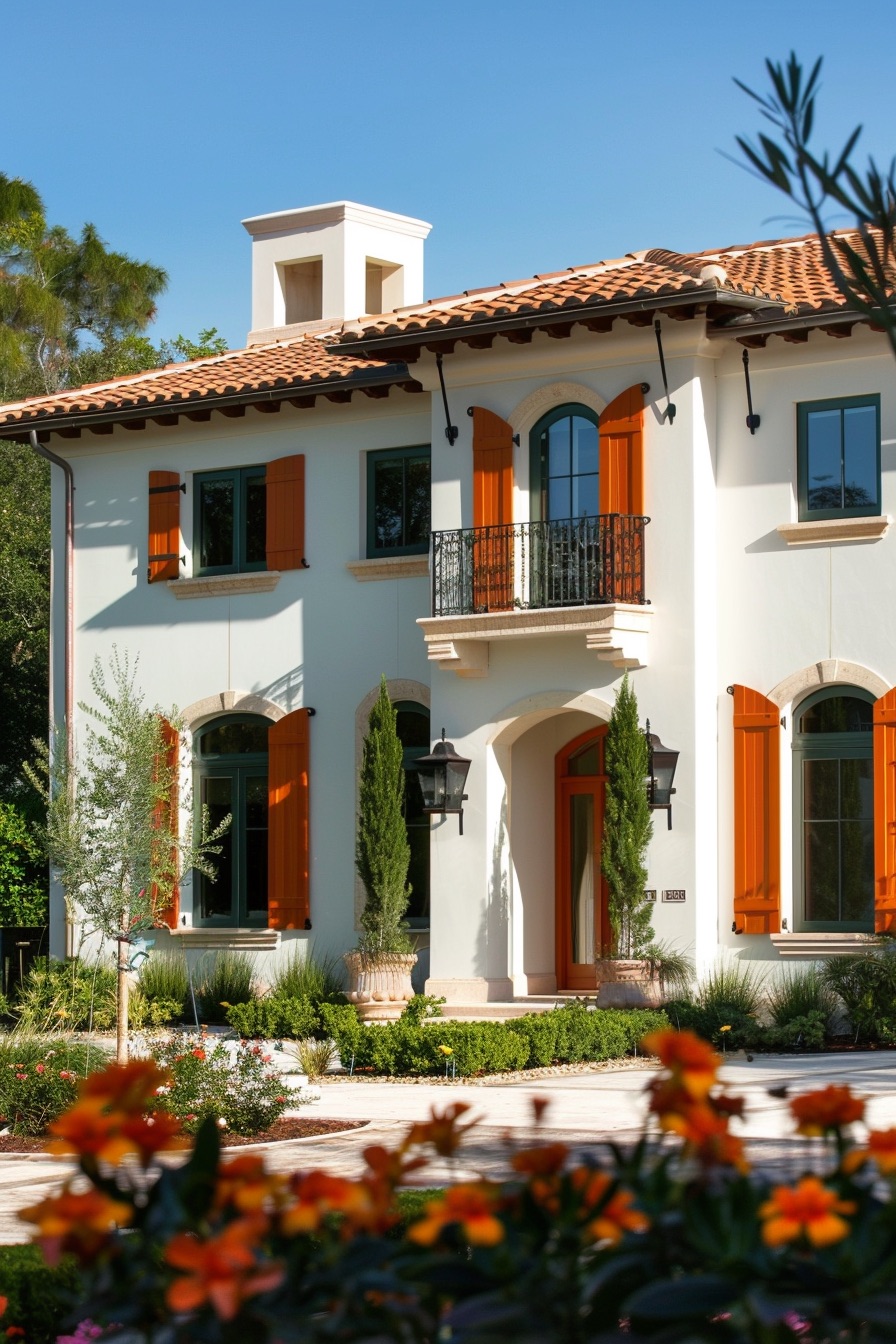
<point>380,966</point>
<point>628,971</point>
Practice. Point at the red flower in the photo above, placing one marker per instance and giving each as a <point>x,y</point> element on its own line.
<point>198,1054</point>
<point>826,1109</point>
<point>39,1068</point>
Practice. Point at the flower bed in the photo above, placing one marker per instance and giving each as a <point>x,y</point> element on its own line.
<point>674,1239</point>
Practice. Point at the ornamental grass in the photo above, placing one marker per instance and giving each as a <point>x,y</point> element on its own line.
<point>671,1239</point>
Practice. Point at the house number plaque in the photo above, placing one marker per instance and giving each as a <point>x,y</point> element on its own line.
<point>650,894</point>
<point>675,894</point>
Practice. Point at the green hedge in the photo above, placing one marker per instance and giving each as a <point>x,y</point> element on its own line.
<point>274,1017</point>
<point>41,1300</point>
<point>563,1035</point>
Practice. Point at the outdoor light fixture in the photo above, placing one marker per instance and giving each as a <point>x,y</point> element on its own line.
<point>442,777</point>
<point>661,763</point>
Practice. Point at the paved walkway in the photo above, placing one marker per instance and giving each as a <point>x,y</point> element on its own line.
<point>585,1110</point>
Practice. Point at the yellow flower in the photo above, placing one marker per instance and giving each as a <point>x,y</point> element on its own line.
<point>446,1050</point>
<point>727,1028</point>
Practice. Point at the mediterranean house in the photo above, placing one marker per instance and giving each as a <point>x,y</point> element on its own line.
<point>679,465</point>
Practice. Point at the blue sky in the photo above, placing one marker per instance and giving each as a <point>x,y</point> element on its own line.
<point>532,134</point>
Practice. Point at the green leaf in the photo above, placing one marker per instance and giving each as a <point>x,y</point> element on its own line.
<point>692,1295</point>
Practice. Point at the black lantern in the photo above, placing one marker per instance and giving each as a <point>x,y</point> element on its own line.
<point>442,777</point>
<point>661,763</point>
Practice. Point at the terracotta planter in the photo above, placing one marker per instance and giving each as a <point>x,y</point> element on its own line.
<point>627,984</point>
<point>379,987</point>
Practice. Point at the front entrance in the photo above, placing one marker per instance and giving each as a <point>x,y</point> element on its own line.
<point>581,896</point>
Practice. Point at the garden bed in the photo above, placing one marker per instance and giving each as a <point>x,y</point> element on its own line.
<point>289,1127</point>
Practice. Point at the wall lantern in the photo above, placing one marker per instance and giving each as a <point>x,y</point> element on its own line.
<point>442,777</point>
<point>661,763</point>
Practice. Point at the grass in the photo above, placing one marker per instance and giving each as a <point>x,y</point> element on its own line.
<point>319,979</point>
<point>732,986</point>
<point>799,992</point>
<point>224,978</point>
<point>164,976</point>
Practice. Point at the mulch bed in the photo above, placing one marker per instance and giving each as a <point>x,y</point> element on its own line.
<point>293,1127</point>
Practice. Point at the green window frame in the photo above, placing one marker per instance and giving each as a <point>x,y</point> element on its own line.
<point>833,807</point>
<point>229,516</point>
<point>398,501</point>
<point>838,458</point>
<point>230,760</point>
<point>563,462</point>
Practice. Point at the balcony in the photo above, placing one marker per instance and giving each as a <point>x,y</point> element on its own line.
<point>576,576</point>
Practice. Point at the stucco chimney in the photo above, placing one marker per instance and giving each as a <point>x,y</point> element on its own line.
<point>324,264</point>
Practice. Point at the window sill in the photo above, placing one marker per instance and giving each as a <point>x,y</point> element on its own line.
<point>820,944</point>
<point>224,585</point>
<point>390,567</point>
<point>826,530</point>
<point>245,940</point>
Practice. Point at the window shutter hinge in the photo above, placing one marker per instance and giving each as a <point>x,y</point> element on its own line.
<point>167,489</point>
<point>307,923</point>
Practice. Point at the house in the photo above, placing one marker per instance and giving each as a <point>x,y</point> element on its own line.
<point>679,465</point>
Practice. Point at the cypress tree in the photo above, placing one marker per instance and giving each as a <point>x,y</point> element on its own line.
<point>628,827</point>
<point>382,853</point>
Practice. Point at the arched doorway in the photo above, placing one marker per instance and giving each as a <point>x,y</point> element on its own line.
<point>580,890</point>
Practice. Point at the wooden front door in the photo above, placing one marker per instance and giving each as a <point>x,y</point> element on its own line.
<point>581,898</point>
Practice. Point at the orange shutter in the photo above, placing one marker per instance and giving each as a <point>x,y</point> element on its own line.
<point>885,813</point>
<point>288,900</point>
<point>757,813</point>
<point>492,509</point>
<point>163,552</point>
<point>166,814</point>
<point>285,537</point>
<point>622,454</point>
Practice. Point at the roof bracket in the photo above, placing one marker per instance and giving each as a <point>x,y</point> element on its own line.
<point>752,420</point>
<point>669,412</point>
<point>451,431</point>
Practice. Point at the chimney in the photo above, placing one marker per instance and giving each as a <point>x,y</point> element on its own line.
<point>324,264</point>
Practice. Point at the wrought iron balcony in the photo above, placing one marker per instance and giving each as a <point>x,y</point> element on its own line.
<point>536,566</point>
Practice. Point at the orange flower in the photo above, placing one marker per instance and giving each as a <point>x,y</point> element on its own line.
<point>317,1195</point>
<point>442,1130</point>
<point>125,1087</point>
<point>4,1303</point>
<point>612,1209</point>
<point>222,1270</point>
<point>471,1207</point>
<point>390,1165</point>
<point>706,1133</point>
<point>546,1160</point>
<point>88,1129</point>
<point>81,1223</point>
<point>692,1062</point>
<point>881,1149</point>
<point>243,1184</point>
<point>151,1134</point>
<point>807,1209</point>
<point>826,1109</point>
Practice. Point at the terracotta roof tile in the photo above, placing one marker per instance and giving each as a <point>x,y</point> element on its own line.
<point>787,276</point>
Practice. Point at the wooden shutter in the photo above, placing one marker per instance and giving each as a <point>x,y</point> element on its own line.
<point>885,813</point>
<point>492,509</point>
<point>285,529</point>
<point>622,454</point>
<point>757,813</point>
<point>288,895</point>
<point>163,552</point>
<point>166,814</point>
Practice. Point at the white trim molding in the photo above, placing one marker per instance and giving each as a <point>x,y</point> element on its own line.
<point>225,585</point>
<point>820,944</point>
<point>544,399</point>
<point>828,672</point>
<point>390,567</point>
<point>229,702</point>
<point>827,530</point>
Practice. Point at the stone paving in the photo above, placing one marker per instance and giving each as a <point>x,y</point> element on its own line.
<point>586,1109</point>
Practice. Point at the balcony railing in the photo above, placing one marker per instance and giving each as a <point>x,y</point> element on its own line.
<point>570,563</point>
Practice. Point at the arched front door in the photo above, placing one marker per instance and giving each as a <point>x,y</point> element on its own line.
<point>581,899</point>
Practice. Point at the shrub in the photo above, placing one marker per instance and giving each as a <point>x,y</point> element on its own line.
<point>146,1012</point>
<point>274,1018</point>
<point>422,1007</point>
<point>41,1299</point>
<point>67,996</point>
<point>235,1085</point>
<point>800,992</point>
<point>315,1057</point>
<point>865,982</point>
<point>341,1022</point>
<point>408,1048</point>
<point>24,897</point>
<point>573,1033</point>
<point>224,979</point>
<point>39,1079</point>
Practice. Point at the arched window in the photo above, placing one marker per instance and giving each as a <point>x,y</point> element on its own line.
<point>231,763</point>
<point>564,464</point>
<point>412,725</point>
<point>834,808</point>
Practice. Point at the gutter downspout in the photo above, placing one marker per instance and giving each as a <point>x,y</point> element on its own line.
<point>68,659</point>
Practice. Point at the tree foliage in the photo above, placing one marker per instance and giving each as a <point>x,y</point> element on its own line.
<point>23,878</point>
<point>865,274</point>
<point>116,843</point>
<point>628,827</point>
<point>382,853</point>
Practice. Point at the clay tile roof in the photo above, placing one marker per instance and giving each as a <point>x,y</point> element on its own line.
<point>298,367</point>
